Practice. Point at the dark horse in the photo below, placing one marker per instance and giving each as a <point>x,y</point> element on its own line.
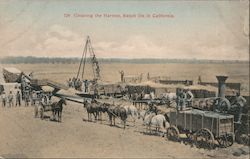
<point>57,108</point>
<point>117,111</point>
<point>92,108</point>
<point>102,108</point>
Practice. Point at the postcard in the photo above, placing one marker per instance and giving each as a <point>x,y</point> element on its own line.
<point>124,79</point>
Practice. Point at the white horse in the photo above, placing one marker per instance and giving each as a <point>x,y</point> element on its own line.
<point>170,97</point>
<point>151,95</point>
<point>132,111</point>
<point>159,122</point>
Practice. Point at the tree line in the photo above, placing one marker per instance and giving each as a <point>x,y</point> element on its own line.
<point>74,60</point>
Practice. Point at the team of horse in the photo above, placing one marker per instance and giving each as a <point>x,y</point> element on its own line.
<point>150,119</point>
<point>123,111</point>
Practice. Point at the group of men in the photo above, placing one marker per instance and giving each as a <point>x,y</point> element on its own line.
<point>75,83</point>
<point>184,99</point>
<point>33,98</point>
<point>78,84</point>
<point>8,99</point>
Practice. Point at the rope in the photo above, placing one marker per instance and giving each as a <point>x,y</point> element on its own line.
<point>85,47</point>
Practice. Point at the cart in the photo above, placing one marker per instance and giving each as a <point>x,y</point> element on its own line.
<point>202,128</point>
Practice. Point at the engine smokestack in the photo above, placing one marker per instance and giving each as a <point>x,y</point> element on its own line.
<point>221,85</point>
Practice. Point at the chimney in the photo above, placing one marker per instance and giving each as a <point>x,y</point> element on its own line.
<point>221,85</point>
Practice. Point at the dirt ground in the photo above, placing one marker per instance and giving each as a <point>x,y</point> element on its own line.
<point>22,135</point>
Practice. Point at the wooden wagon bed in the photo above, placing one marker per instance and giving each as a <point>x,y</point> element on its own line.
<point>208,124</point>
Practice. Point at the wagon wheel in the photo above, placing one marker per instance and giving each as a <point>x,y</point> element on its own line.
<point>173,133</point>
<point>226,140</point>
<point>204,139</point>
<point>241,138</point>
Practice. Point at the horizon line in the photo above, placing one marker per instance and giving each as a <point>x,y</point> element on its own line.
<point>125,58</point>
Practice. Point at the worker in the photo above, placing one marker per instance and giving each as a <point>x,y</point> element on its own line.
<point>18,98</point>
<point>189,97</point>
<point>122,76</point>
<point>3,96</point>
<point>45,99</point>
<point>86,85</point>
<point>10,99</point>
<point>69,82</point>
<point>240,103</point>
<point>152,108</point>
<point>95,93</point>
<point>26,98</point>
<point>181,100</point>
<point>33,97</point>
<point>148,76</point>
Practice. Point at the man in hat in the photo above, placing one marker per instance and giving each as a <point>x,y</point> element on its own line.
<point>26,98</point>
<point>152,108</point>
<point>18,98</point>
<point>240,103</point>
<point>86,85</point>
<point>10,99</point>
<point>189,97</point>
<point>181,100</point>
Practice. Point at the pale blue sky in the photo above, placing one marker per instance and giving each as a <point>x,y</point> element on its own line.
<point>199,29</point>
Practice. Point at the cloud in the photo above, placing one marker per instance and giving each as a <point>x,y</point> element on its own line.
<point>61,41</point>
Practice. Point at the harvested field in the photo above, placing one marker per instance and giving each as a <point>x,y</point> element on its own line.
<point>110,72</point>
<point>22,135</point>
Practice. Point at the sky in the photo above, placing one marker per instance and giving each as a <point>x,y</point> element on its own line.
<point>190,29</point>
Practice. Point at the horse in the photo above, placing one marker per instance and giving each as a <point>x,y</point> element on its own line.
<point>92,108</point>
<point>117,111</point>
<point>160,122</point>
<point>57,108</point>
<point>102,108</point>
<point>149,96</point>
<point>132,111</point>
<point>170,98</point>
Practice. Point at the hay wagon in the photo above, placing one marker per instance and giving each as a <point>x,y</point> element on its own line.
<point>202,127</point>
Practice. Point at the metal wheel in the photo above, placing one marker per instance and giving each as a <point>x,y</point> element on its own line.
<point>242,138</point>
<point>204,139</point>
<point>226,140</point>
<point>223,105</point>
<point>173,133</point>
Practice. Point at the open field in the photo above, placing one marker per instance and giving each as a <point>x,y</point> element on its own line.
<point>110,72</point>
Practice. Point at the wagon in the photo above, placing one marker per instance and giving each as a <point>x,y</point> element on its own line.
<point>202,127</point>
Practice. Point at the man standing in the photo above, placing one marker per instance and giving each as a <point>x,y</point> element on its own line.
<point>182,100</point>
<point>26,98</point>
<point>122,76</point>
<point>189,97</point>
<point>3,99</point>
<point>86,84</point>
<point>10,99</point>
<point>240,102</point>
<point>148,76</point>
<point>18,98</point>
